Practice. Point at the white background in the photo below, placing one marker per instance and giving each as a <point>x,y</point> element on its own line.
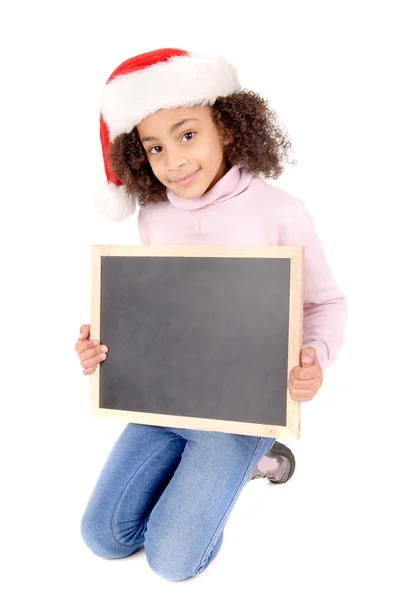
<point>328,70</point>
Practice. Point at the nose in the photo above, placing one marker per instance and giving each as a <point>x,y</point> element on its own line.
<point>175,160</point>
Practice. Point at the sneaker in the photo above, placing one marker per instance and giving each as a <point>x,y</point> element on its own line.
<point>280,467</point>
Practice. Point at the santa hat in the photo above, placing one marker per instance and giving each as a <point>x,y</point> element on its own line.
<point>144,84</point>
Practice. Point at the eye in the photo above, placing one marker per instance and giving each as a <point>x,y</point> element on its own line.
<point>188,135</point>
<point>157,148</point>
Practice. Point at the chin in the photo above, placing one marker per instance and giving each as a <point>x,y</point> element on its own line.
<point>195,190</point>
<point>191,194</point>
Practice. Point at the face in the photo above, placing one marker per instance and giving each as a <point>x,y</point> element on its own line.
<point>185,149</point>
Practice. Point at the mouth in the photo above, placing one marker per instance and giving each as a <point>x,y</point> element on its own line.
<point>186,180</point>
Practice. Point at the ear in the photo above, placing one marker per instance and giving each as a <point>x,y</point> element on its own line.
<point>228,139</point>
<point>229,134</point>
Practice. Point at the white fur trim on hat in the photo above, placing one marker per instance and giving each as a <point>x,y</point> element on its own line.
<point>112,202</point>
<point>180,81</point>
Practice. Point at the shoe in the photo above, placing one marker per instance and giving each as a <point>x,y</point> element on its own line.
<point>286,464</point>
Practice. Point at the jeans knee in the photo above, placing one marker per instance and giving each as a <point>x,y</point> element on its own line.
<point>176,558</point>
<point>94,538</point>
<point>168,569</point>
<point>100,539</point>
<point>176,565</point>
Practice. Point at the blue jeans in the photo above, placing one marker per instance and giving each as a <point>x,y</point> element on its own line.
<point>171,490</point>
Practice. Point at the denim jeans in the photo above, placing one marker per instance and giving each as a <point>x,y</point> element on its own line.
<point>172,491</point>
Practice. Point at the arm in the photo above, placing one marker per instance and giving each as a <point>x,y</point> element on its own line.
<point>325,306</point>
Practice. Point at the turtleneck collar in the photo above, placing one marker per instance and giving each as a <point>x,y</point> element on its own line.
<point>234,181</point>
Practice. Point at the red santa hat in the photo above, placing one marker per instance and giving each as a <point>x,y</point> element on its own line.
<point>144,84</point>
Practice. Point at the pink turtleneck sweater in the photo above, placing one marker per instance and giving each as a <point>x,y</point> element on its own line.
<point>242,209</point>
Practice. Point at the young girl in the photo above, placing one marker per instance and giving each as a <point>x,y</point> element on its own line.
<point>184,141</point>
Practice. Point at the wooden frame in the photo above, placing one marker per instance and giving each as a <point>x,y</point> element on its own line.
<point>296,256</point>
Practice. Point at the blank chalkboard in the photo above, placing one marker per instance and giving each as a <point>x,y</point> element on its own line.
<point>199,337</point>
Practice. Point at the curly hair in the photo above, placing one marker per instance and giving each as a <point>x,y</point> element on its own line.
<point>258,145</point>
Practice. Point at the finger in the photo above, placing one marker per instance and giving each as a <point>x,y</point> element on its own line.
<point>89,354</point>
<point>305,373</point>
<point>303,384</point>
<point>300,391</point>
<point>301,399</point>
<point>91,362</point>
<point>84,332</point>
<point>89,370</point>
<point>91,351</point>
<point>85,344</point>
<point>302,395</point>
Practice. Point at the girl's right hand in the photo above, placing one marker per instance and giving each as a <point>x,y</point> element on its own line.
<point>89,352</point>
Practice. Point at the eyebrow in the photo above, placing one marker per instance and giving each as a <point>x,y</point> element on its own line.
<point>172,128</point>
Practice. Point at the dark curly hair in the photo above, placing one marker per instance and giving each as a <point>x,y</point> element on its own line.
<point>258,145</point>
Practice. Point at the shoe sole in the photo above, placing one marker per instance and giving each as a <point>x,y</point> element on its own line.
<point>282,450</point>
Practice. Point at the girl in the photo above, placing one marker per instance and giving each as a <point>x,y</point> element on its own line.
<point>184,141</point>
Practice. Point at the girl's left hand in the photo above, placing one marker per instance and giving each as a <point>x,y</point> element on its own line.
<point>305,380</point>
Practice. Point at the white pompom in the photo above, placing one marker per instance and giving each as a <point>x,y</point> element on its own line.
<point>113,203</point>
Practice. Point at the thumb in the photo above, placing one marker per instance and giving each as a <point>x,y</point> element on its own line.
<point>308,356</point>
<point>84,330</point>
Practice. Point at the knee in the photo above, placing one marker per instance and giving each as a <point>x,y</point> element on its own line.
<point>177,558</point>
<point>94,537</point>
<point>100,539</point>
<point>168,559</point>
<point>172,570</point>
<point>177,562</point>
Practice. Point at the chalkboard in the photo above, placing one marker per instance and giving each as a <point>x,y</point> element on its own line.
<point>199,337</point>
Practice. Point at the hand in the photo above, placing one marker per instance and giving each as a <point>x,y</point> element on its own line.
<point>305,380</point>
<point>89,352</point>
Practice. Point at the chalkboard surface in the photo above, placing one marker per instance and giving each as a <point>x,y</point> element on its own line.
<point>198,337</point>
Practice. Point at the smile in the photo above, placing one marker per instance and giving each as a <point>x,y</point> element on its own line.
<point>186,180</point>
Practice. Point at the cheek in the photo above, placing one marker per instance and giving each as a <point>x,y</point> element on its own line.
<point>157,169</point>
<point>211,154</point>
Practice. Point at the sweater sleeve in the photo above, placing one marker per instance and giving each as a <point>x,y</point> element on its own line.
<point>143,229</point>
<point>325,306</point>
